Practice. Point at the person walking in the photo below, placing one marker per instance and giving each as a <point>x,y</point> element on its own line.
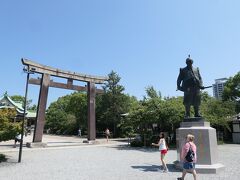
<point>189,157</point>
<point>17,139</point>
<point>79,132</point>
<point>163,150</point>
<point>107,133</point>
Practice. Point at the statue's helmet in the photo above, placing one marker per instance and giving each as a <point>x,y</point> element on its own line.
<point>189,60</point>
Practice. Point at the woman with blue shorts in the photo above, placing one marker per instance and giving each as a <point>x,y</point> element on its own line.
<point>189,163</point>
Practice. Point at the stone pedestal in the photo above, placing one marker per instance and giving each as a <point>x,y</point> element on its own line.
<point>206,142</point>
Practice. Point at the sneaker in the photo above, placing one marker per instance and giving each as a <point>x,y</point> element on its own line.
<point>165,171</point>
<point>179,178</point>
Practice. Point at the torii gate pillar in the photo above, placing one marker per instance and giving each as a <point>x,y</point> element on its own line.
<point>42,104</point>
<point>91,111</point>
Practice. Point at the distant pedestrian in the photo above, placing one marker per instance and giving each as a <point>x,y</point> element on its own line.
<point>163,150</point>
<point>107,133</point>
<point>189,157</point>
<point>17,139</point>
<point>79,132</point>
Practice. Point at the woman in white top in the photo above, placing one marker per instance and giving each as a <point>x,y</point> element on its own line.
<point>163,150</point>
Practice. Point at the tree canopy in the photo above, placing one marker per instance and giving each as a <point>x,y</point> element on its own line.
<point>217,112</point>
<point>125,115</point>
<point>21,99</point>
<point>8,129</point>
<point>67,114</point>
<point>232,90</point>
<point>112,104</point>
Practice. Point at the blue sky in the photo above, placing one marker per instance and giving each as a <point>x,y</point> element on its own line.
<point>144,41</point>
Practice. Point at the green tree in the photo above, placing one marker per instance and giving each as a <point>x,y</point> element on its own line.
<point>217,112</point>
<point>17,98</point>
<point>172,112</point>
<point>33,107</point>
<point>109,109</point>
<point>232,91</point>
<point>144,114</point>
<point>112,103</point>
<point>8,129</point>
<point>67,114</point>
<point>167,112</point>
<point>21,99</point>
<point>63,116</point>
<point>78,107</point>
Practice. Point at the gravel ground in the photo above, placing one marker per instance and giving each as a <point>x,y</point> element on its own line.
<point>106,162</point>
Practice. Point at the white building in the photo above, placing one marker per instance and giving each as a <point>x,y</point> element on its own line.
<point>218,87</point>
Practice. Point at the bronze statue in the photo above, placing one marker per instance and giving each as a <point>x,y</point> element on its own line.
<point>190,82</point>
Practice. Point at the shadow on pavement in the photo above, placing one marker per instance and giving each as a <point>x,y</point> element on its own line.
<point>11,146</point>
<point>155,168</point>
<point>9,162</point>
<point>126,147</point>
<point>62,142</point>
<point>7,145</point>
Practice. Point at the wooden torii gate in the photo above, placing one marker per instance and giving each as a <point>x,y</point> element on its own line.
<point>45,83</point>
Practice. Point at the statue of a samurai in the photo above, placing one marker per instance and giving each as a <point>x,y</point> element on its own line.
<point>190,82</point>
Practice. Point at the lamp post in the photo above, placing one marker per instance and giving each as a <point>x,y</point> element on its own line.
<point>26,70</point>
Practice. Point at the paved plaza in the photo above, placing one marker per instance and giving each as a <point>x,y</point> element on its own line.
<point>103,161</point>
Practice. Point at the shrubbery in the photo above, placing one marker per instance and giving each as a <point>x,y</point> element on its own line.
<point>2,158</point>
<point>8,129</point>
<point>136,143</point>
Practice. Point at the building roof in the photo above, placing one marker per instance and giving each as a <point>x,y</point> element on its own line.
<point>7,102</point>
